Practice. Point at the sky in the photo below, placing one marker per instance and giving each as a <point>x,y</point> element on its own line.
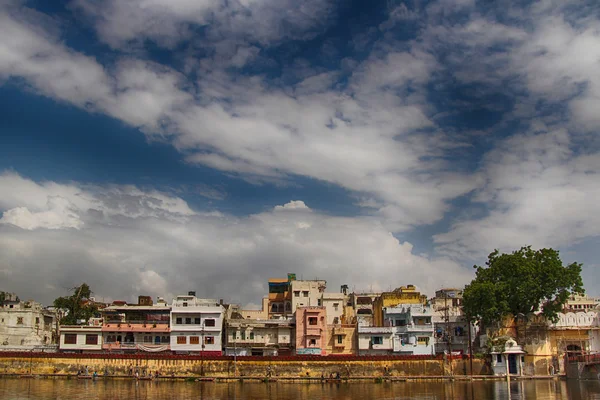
<point>153,147</point>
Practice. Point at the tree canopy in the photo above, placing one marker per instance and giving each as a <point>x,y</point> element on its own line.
<point>522,282</point>
<point>77,306</point>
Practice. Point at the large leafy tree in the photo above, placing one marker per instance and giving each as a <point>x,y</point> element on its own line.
<point>522,282</point>
<point>77,306</point>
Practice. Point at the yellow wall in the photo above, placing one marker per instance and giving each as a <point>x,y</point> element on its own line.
<point>349,341</point>
<point>402,295</point>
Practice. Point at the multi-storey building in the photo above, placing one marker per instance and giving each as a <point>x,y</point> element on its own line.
<point>280,301</point>
<point>403,295</point>
<point>286,295</point>
<point>132,328</point>
<point>196,325</point>
<point>25,324</point>
<point>82,338</point>
<point>363,307</point>
<point>450,325</point>
<point>375,340</point>
<point>410,332</point>
<point>577,303</point>
<point>253,337</point>
<point>311,330</point>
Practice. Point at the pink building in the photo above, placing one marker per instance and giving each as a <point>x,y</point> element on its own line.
<point>311,330</point>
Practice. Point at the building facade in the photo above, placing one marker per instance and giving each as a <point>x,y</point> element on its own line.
<point>252,337</point>
<point>403,295</point>
<point>450,325</point>
<point>196,325</point>
<point>26,324</point>
<point>133,328</point>
<point>82,338</point>
<point>311,330</point>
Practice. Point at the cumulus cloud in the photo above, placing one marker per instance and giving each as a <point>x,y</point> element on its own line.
<point>539,192</point>
<point>127,253</point>
<point>362,138</point>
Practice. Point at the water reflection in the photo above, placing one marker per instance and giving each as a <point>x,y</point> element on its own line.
<point>42,389</point>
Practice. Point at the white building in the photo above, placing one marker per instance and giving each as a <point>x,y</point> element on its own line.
<point>25,324</point>
<point>81,338</point>
<point>408,330</point>
<point>251,337</point>
<point>334,304</point>
<point>196,325</point>
<point>307,293</point>
<point>375,340</point>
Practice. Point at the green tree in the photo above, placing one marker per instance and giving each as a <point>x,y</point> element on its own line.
<point>522,282</point>
<point>77,306</point>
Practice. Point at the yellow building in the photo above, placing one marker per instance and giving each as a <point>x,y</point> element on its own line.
<point>341,340</point>
<point>403,295</point>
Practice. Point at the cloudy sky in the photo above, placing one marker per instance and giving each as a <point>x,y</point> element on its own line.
<point>160,146</point>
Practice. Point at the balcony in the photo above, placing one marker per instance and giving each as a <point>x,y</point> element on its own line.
<point>136,327</point>
<point>136,346</point>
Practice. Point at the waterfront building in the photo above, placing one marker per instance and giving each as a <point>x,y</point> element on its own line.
<point>413,328</point>
<point>362,303</point>
<point>507,358</point>
<point>25,325</point>
<point>132,328</point>
<point>403,295</point>
<point>311,330</point>
<point>450,325</point>
<point>286,295</point>
<point>341,339</point>
<point>259,337</point>
<point>81,338</point>
<point>196,325</point>
<point>375,340</point>
<point>335,305</point>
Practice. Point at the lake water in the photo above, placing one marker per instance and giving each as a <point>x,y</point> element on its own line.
<point>20,389</point>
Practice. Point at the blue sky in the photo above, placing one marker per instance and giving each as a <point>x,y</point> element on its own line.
<point>154,147</point>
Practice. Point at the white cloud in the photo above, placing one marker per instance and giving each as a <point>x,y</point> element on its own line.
<point>539,192</point>
<point>361,138</point>
<point>219,256</point>
<point>168,22</point>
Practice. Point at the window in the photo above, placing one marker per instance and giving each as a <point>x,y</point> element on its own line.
<point>296,293</point>
<point>377,339</point>
<point>209,340</point>
<point>70,338</point>
<point>251,335</point>
<point>19,320</point>
<point>164,339</point>
<point>400,322</point>
<point>181,340</point>
<point>335,306</point>
<point>178,321</point>
<point>423,340</point>
<point>312,320</point>
<point>91,339</point>
<point>305,293</point>
<point>185,304</point>
<point>194,340</point>
<point>499,358</point>
<point>319,302</point>
<point>336,320</point>
<point>37,320</point>
<point>147,339</point>
<point>243,335</point>
<point>188,321</point>
<point>197,320</point>
<point>313,342</point>
<point>209,322</point>
<point>340,339</point>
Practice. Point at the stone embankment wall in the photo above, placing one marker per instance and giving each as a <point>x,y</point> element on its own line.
<point>243,366</point>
